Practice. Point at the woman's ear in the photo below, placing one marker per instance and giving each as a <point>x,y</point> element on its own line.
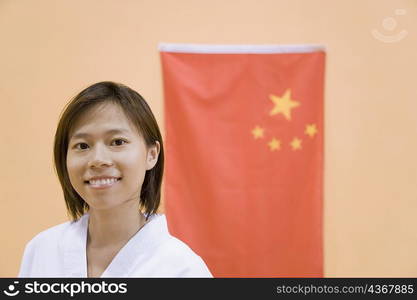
<point>152,155</point>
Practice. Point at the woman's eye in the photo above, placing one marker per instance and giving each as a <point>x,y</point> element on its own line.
<point>118,142</point>
<point>81,146</point>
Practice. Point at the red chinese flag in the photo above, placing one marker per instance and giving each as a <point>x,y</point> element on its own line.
<point>244,156</point>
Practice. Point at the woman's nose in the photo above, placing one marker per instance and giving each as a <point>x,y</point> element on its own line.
<point>99,158</point>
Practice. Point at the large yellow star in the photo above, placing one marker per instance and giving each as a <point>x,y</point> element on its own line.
<point>283,104</point>
<point>274,144</point>
<point>311,130</point>
<point>258,132</point>
<point>296,144</point>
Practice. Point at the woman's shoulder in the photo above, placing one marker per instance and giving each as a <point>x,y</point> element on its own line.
<point>43,253</point>
<point>177,254</point>
<point>54,233</point>
<point>166,242</point>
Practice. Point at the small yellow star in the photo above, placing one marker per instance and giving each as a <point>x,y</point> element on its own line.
<point>311,130</point>
<point>283,104</point>
<point>296,144</point>
<point>258,132</point>
<point>274,144</point>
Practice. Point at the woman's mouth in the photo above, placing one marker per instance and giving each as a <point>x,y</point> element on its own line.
<point>102,183</point>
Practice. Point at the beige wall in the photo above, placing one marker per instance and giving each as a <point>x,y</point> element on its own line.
<point>51,49</point>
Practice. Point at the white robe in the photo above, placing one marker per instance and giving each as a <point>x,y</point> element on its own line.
<point>152,252</point>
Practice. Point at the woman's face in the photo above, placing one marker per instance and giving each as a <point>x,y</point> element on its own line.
<point>107,158</point>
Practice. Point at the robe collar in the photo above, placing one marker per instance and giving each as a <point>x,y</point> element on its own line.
<point>74,247</point>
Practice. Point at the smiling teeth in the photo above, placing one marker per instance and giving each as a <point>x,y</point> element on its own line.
<point>103,181</point>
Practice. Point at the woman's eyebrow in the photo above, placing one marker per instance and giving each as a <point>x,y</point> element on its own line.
<point>108,132</point>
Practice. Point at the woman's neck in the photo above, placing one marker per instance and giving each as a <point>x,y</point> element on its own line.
<point>114,226</point>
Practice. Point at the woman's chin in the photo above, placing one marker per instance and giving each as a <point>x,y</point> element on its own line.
<point>102,204</point>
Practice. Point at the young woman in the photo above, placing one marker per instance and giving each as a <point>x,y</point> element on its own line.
<point>109,159</point>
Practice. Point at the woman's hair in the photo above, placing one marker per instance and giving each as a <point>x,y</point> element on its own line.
<point>138,112</point>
